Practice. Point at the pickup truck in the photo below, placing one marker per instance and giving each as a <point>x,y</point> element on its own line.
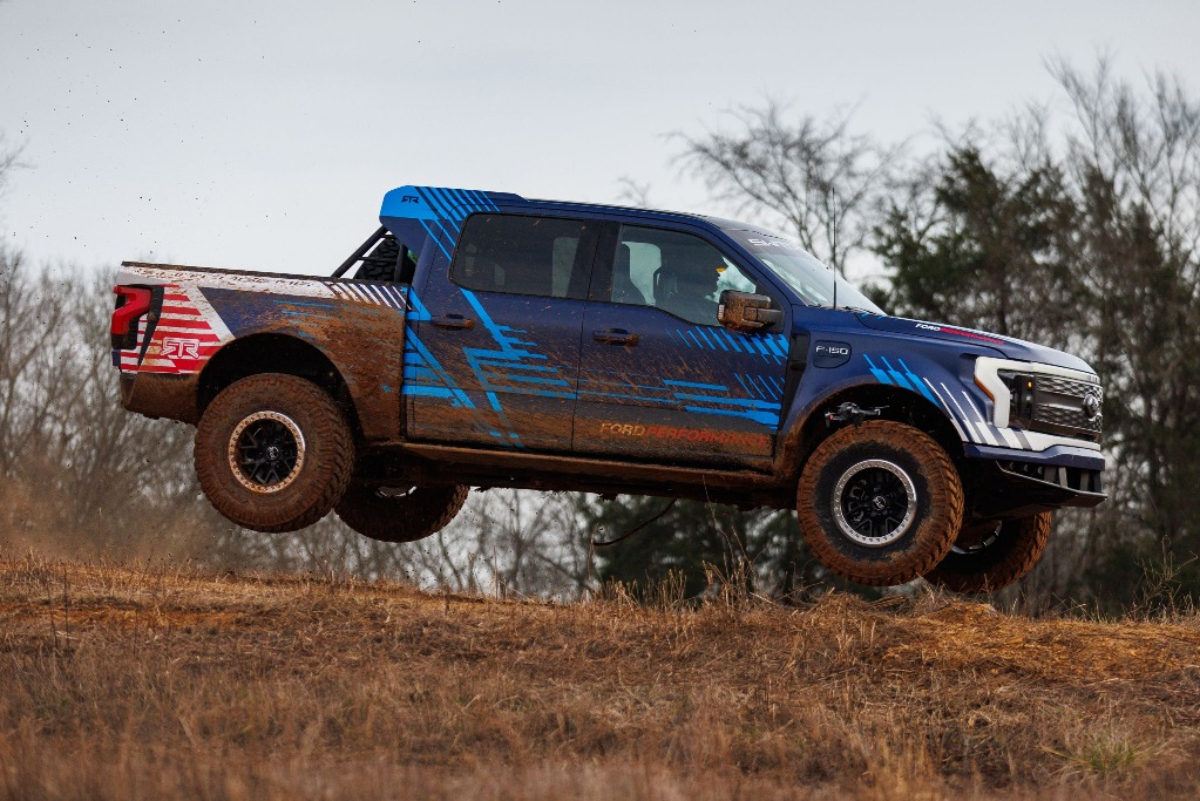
<point>488,340</point>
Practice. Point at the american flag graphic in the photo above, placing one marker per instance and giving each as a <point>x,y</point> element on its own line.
<point>188,332</point>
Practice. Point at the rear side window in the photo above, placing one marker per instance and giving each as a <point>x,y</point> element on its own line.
<point>545,256</point>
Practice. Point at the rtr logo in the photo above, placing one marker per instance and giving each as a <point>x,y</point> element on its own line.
<point>179,348</point>
<point>410,199</point>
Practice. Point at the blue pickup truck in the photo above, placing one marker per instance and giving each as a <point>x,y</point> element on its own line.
<point>488,340</point>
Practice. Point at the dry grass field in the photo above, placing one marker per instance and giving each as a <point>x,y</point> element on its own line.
<point>156,683</point>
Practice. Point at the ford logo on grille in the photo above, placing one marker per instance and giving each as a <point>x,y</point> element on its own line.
<point>1091,407</point>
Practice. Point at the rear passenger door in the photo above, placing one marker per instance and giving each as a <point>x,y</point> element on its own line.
<point>659,378</point>
<point>495,358</point>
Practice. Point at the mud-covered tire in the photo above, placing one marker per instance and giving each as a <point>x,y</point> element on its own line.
<point>306,472</point>
<point>414,515</point>
<point>996,559</point>
<point>880,503</point>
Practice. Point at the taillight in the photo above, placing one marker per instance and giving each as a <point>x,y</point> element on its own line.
<point>132,303</point>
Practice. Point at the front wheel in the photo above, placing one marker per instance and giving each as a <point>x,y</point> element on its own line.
<point>273,452</point>
<point>404,514</point>
<point>880,503</point>
<point>990,557</point>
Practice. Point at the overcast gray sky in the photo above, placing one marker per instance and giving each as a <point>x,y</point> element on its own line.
<point>263,135</point>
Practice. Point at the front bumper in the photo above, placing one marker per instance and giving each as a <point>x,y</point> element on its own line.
<point>1004,483</point>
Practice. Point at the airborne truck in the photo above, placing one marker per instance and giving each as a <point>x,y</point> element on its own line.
<point>492,341</point>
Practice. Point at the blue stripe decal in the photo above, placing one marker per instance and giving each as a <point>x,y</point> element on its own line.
<point>436,239</point>
<point>896,377</point>
<point>642,398</point>
<point>528,379</point>
<point>431,201</point>
<point>758,417</point>
<point>430,392</point>
<point>435,202</point>
<point>918,382</point>
<point>880,375</point>
<point>707,341</point>
<point>693,385</point>
<point>749,403</point>
<point>453,213</point>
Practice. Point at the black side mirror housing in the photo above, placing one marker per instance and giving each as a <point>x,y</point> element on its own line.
<point>745,311</point>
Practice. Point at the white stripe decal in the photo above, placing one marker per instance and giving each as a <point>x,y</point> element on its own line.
<point>983,426</point>
<point>962,434</point>
<point>396,300</point>
<point>965,418</point>
<point>1009,438</point>
<point>379,295</point>
<point>209,314</point>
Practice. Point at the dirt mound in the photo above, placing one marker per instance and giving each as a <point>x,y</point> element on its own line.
<point>153,683</point>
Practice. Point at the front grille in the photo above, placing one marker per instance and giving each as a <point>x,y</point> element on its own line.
<point>1062,406</point>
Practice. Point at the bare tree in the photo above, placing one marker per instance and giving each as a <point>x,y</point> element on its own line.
<point>1135,160</point>
<point>9,162</point>
<point>816,176</point>
<point>634,193</point>
<point>508,542</point>
<point>79,470</point>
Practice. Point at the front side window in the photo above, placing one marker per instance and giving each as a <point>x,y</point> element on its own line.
<point>544,256</point>
<point>678,273</point>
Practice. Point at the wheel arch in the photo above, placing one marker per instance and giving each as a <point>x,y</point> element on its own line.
<point>274,353</point>
<point>895,404</point>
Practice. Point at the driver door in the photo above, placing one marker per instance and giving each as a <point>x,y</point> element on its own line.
<point>659,378</point>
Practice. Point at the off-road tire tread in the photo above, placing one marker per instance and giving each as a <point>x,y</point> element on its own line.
<point>329,433</point>
<point>1029,538</point>
<point>413,517</point>
<point>939,469</point>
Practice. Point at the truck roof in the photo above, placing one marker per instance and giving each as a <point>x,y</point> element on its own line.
<point>411,212</point>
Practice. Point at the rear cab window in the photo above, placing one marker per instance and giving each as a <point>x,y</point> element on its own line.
<point>525,255</point>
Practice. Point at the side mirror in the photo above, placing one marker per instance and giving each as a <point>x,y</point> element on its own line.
<point>743,311</point>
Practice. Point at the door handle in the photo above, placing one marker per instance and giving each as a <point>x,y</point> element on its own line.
<point>453,321</point>
<point>615,336</point>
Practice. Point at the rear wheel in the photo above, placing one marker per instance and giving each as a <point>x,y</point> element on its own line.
<point>990,557</point>
<point>880,503</point>
<point>273,452</point>
<point>400,514</point>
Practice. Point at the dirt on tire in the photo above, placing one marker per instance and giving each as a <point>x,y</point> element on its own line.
<point>327,453</point>
<point>1017,548</point>
<point>930,534</point>
<point>403,518</point>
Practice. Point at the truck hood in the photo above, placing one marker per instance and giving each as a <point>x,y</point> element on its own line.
<point>1015,349</point>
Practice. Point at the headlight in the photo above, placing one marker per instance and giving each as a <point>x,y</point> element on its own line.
<point>1041,397</point>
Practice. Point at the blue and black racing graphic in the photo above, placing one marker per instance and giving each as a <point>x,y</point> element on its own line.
<point>963,411</point>
<point>513,364</point>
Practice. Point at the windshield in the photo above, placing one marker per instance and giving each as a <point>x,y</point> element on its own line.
<point>809,278</point>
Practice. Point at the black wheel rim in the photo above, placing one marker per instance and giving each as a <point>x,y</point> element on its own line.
<point>266,452</point>
<point>874,503</point>
<point>978,544</point>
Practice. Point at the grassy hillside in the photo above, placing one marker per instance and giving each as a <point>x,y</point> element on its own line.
<point>152,683</point>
